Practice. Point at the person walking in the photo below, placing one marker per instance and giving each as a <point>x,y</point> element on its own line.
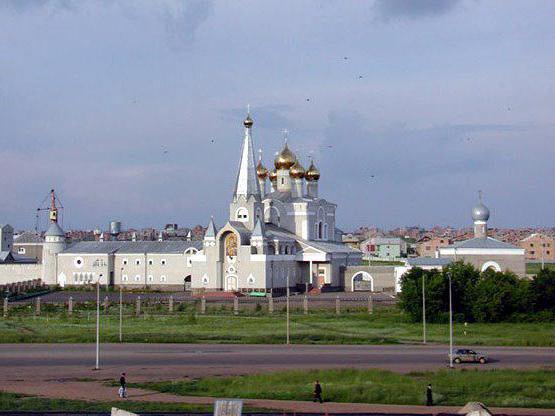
<point>429,397</point>
<point>123,384</point>
<point>317,392</point>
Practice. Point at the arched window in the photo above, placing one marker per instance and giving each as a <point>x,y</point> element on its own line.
<point>242,214</point>
<point>326,231</point>
<point>320,231</point>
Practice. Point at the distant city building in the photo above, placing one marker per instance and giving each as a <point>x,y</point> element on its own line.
<point>429,245</point>
<point>538,247</point>
<point>384,248</point>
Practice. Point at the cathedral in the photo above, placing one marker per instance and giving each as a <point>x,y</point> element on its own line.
<point>280,233</point>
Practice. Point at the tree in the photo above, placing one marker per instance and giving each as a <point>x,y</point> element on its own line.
<point>497,296</point>
<point>543,291</point>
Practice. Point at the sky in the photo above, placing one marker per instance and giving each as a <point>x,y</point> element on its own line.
<point>132,109</point>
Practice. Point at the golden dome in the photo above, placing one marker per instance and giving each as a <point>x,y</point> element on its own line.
<point>273,175</point>
<point>285,159</point>
<point>248,122</point>
<point>261,171</point>
<point>312,174</point>
<point>297,171</point>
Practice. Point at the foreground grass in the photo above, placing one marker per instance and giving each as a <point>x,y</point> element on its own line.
<point>17,402</point>
<point>385,326</point>
<point>498,388</point>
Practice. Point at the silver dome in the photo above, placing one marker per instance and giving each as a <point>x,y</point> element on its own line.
<point>480,212</point>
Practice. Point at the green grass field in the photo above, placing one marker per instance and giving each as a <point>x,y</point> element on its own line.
<point>499,388</point>
<point>534,268</point>
<point>385,326</point>
<point>18,402</point>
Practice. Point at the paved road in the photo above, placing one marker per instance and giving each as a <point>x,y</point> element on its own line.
<point>167,361</point>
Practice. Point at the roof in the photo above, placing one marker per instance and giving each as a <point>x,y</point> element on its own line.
<point>258,229</point>
<point>29,237</point>
<point>7,257</point>
<point>428,261</point>
<point>243,231</point>
<point>54,231</point>
<point>108,247</point>
<point>327,246</point>
<point>246,183</point>
<point>480,242</point>
<point>386,240</point>
<point>211,229</point>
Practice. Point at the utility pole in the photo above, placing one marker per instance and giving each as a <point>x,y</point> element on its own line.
<point>97,367</point>
<point>423,310</point>
<point>120,313</point>
<point>287,307</point>
<point>450,323</point>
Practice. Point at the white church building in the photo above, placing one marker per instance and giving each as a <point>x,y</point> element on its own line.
<point>280,232</point>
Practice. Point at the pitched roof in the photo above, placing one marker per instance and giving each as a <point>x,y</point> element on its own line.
<point>258,229</point>
<point>480,242</point>
<point>29,237</point>
<point>132,247</point>
<point>7,257</point>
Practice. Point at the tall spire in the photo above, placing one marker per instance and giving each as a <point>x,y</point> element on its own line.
<point>247,181</point>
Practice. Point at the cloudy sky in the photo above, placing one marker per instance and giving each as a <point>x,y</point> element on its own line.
<point>132,109</point>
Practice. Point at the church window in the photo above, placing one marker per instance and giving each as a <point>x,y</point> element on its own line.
<point>163,262</point>
<point>162,278</point>
<point>150,262</point>
<point>124,278</point>
<point>325,231</point>
<point>124,262</point>
<point>320,232</point>
<point>21,250</point>
<point>250,280</point>
<point>138,262</point>
<point>137,278</point>
<point>242,215</point>
<point>205,280</point>
<point>150,278</point>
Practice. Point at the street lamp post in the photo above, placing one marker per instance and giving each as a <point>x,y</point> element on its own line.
<point>450,323</point>
<point>120,313</point>
<point>423,310</point>
<point>97,367</point>
<point>287,308</point>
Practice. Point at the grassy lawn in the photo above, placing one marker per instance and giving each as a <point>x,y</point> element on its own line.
<point>385,326</point>
<point>501,388</point>
<point>534,268</point>
<point>18,402</point>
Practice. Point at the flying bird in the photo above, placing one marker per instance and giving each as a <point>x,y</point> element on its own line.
<point>345,58</point>
<point>308,99</point>
<point>360,77</point>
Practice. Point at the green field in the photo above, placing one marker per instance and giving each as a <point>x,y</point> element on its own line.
<point>18,402</point>
<point>534,268</point>
<point>385,326</point>
<point>498,388</point>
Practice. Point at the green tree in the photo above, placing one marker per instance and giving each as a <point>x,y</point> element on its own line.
<point>496,296</point>
<point>543,291</point>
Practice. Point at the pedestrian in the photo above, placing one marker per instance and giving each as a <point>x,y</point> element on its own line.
<point>123,388</point>
<point>429,398</point>
<point>317,392</point>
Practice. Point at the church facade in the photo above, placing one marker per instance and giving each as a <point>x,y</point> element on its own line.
<point>279,233</point>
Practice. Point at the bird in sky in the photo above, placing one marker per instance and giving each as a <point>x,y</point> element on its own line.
<point>345,57</point>
<point>308,99</point>
<point>360,77</point>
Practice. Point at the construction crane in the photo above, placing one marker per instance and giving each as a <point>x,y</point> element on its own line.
<point>54,209</point>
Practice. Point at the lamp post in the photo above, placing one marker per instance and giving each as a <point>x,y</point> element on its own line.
<point>287,310</point>
<point>97,367</point>
<point>450,323</point>
<point>423,310</point>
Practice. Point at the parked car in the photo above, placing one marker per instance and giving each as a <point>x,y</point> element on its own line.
<point>468,356</point>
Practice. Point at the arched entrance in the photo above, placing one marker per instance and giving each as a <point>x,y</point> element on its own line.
<point>491,265</point>
<point>187,283</point>
<point>231,283</point>
<point>362,281</point>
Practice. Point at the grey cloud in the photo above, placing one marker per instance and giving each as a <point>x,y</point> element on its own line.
<point>183,18</point>
<point>413,9</point>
